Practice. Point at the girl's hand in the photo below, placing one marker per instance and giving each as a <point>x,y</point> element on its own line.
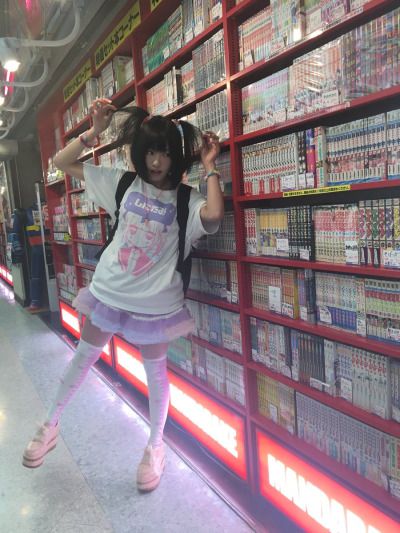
<point>101,111</point>
<point>209,150</point>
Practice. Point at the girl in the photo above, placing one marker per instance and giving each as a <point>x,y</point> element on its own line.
<point>136,290</point>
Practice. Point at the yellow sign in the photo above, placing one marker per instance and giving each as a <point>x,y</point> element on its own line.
<point>154,4</point>
<point>321,190</point>
<point>119,34</point>
<point>78,80</point>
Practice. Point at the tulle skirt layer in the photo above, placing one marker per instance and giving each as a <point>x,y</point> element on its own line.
<point>134,327</point>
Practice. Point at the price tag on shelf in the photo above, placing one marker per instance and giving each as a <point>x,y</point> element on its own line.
<point>395,413</point>
<point>303,313</point>
<point>394,334</point>
<point>361,326</point>
<point>304,254</point>
<point>288,183</point>
<point>320,190</point>
<point>302,181</point>
<point>346,389</point>
<point>216,12</point>
<point>275,299</point>
<point>287,310</point>
<point>330,98</point>
<point>391,258</point>
<point>351,252</point>
<point>282,245</point>
<point>325,315</point>
<point>273,412</point>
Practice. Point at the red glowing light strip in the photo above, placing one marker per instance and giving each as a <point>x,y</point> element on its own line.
<point>310,498</point>
<point>6,275</point>
<point>70,321</point>
<point>216,427</point>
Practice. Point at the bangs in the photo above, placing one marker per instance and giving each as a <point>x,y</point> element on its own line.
<point>154,138</point>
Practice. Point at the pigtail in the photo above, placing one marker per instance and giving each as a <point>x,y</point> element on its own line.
<point>192,140</point>
<point>131,127</point>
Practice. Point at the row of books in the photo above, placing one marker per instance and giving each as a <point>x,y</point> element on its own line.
<point>61,225</point>
<point>365,379</point>
<point>81,205</point>
<point>368,307</point>
<point>189,19</point>
<point>283,23</point>
<point>221,374</point>
<point>356,152</point>
<point>286,232</point>
<point>113,78</point>
<point>339,71</point>
<point>89,229</point>
<point>217,326</point>
<point>362,233</point>
<point>364,449</point>
<point>67,283</point>
<point>209,62</point>
<point>87,254</point>
<point>117,158</point>
<point>224,240</point>
<point>195,178</point>
<point>215,278</point>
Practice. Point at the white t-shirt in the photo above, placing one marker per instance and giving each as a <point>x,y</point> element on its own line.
<point>137,271</point>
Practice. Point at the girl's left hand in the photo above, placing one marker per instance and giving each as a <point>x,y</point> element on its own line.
<point>210,149</point>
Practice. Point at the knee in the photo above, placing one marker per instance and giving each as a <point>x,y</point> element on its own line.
<point>154,351</point>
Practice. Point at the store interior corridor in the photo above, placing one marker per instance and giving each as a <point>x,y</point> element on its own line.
<point>87,484</point>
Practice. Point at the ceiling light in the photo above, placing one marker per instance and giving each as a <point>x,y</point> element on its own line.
<point>1,122</point>
<point>2,100</point>
<point>12,65</point>
<point>8,55</point>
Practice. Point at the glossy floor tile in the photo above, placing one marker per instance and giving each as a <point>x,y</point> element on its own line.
<point>87,484</point>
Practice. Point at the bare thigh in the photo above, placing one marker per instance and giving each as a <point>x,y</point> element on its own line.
<point>93,335</point>
<point>154,351</point>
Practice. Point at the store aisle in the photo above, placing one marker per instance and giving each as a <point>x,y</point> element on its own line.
<point>87,484</point>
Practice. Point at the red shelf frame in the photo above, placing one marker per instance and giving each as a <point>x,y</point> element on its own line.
<point>357,270</point>
<point>212,300</point>
<point>373,186</point>
<point>232,16</point>
<point>203,386</point>
<point>220,350</point>
<point>316,117</point>
<point>338,335</point>
<point>339,404</point>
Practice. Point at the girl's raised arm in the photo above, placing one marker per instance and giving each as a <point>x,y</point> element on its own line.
<point>213,211</point>
<point>67,159</point>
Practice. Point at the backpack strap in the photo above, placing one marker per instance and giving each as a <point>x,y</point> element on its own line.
<point>183,265</point>
<point>124,183</point>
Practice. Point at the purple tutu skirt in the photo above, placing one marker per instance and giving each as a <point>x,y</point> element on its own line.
<point>134,327</point>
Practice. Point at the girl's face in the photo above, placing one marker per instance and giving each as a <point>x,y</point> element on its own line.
<point>158,164</point>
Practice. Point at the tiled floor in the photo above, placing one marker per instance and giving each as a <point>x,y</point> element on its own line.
<point>86,484</point>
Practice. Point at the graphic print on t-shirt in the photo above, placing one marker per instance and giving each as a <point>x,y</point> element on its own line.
<point>146,222</point>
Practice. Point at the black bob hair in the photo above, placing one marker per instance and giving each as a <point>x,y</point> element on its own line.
<point>143,132</point>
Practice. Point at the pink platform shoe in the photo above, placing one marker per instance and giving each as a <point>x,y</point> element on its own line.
<point>42,443</point>
<point>150,468</point>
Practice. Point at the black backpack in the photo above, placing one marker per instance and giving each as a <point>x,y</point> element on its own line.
<point>184,266</point>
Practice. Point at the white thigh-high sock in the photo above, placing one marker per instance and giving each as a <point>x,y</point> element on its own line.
<point>158,385</point>
<point>85,356</point>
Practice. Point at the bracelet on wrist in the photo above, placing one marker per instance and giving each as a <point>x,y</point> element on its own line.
<point>86,143</point>
<point>213,172</point>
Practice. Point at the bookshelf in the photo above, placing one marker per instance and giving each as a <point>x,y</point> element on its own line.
<point>75,254</point>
